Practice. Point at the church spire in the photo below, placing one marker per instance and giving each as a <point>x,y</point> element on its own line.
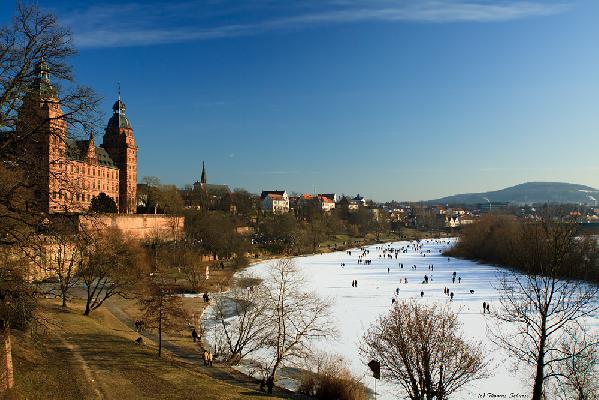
<point>203,178</point>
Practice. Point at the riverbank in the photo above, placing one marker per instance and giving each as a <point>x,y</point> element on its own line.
<point>355,308</point>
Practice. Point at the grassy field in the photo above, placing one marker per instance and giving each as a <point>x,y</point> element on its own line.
<point>78,357</point>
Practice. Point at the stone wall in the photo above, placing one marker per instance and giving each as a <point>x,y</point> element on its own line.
<point>140,226</point>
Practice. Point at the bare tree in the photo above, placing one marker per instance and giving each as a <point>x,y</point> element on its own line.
<point>17,303</point>
<point>189,261</point>
<point>578,375</point>
<point>113,266</point>
<point>162,309</point>
<point>295,316</point>
<point>538,307</point>
<point>62,256</point>
<point>420,347</point>
<point>241,322</point>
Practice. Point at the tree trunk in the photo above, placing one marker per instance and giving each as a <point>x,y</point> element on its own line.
<point>537,391</point>
<point>6,367</point>
<point>274,370</point>
<point>160,334</point>
<point>87,308</point>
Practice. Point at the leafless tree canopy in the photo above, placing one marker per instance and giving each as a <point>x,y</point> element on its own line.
<point>162,309</point>
<point>421,349</point>
<point>540,308</point>
<point>577,376</point>
<point>113,266</point>
<point>241,322</point>
<point>32,36</point>
<point>294,315</point>
<point>61,257</point>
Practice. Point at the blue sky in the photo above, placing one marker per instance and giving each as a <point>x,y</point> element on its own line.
<point>394,99</point>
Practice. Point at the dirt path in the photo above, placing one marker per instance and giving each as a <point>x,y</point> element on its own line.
<point>84,367</point>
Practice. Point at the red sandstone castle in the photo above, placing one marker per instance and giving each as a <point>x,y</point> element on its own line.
<point>70,171</point>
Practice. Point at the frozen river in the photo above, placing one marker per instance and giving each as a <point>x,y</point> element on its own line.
<point>357,307</point>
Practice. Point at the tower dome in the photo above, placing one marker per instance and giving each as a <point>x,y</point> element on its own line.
<point>41,82</point>
<point>119,119</point>
<point>119,106</point>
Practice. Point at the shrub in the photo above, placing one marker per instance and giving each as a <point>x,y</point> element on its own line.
<point>332,379</point>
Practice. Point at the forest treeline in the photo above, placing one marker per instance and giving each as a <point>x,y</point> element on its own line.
<point>528,246</point>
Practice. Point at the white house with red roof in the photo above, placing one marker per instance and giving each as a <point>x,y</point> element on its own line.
<point>275,201</point>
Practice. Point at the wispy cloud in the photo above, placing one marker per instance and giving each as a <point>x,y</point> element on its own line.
<point>135,24</point>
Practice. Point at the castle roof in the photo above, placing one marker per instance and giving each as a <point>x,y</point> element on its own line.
<point>76,150</point>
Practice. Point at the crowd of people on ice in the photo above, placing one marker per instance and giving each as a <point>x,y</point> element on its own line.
<point>388,251</point>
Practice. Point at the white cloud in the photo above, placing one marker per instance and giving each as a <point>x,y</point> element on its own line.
<point>137,25</point>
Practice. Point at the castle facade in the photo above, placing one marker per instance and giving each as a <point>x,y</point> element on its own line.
<point>71,172</point>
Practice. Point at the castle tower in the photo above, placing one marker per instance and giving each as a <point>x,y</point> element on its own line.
<point>41,124</point>
<point>120,146</point>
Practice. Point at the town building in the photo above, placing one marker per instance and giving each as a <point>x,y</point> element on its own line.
<point>331,196</point>
<point>326,203</point>
<point>361,201</point>
<point>69,172</point>
<point>275,201</point>
<point>323,202</point>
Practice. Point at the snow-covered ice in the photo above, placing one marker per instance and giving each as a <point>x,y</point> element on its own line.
<point>357,307</point>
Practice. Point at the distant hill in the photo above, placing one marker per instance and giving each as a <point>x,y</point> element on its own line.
<point>528,193</point>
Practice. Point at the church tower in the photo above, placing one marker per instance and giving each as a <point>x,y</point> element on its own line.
<point>120,146</point>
